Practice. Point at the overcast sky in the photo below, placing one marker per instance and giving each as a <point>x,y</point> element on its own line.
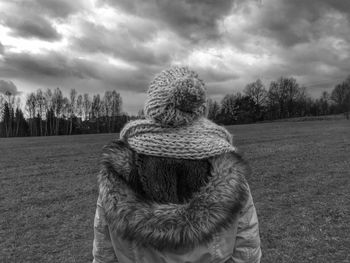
<point>98,45</point>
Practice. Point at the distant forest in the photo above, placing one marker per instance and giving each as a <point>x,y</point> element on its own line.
<point>50,113</point>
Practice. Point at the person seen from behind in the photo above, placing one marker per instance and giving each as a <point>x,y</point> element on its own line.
<point>173,188</point>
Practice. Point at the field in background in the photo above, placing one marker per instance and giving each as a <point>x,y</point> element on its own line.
<point>311,118</point>
<point>300,184</point>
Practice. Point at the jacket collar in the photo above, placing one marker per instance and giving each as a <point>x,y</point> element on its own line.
<point>209,211</point>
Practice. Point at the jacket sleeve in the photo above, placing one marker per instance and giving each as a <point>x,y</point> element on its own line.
<point>102,251</point>
<point>247,247</point>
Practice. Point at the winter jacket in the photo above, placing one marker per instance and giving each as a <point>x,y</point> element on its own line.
<point>218,223</point>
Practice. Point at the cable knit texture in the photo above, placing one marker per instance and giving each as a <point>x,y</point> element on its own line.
<point>176,97</point>
<point>175,124</point>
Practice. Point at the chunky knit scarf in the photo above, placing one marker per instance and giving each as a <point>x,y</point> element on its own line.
<point>175,125</point>
<point>201,139</point>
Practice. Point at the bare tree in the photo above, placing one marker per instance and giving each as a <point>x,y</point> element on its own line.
<point>213,109</point>
<point>229,109</point>
<point>48,98</point>
<point>341,96</point>
<point>2,107</point>
<point>66,111</point>
<point>107,108</point>
<point>116,107</point>
<point>18,103</point>
<point>31,109</point>
<point>72,108</point>
<point>87,106</point>
<point>41,109</point>
<point>325,102</point>
<point>79,105</point>
<point>96,109</point>
<point>257,92</point>
<point>57,103</point>
<point>283,95</point>
<point>49,112</point>
<point>2,102</point>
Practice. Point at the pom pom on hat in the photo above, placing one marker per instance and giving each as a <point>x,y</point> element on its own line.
<point>176,97</point>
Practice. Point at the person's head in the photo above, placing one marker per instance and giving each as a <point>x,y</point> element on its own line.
<point>173,144</point>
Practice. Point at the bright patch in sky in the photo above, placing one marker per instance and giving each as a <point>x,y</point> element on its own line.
<point>120,63</point>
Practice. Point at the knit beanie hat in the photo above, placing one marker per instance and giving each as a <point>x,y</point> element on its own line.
<point>175,124</point>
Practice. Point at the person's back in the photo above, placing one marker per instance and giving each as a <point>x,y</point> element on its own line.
<point>172,189</point>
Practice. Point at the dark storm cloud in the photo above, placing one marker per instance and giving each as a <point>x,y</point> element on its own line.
<point>61,8</point>
<point>8,87</point>
<point>195,20</point>
<point>51,8</point>
<point>295,22</point>
<point>57,66</point>
<point>339,5</point>
<point>32,26</point>
<point>54,65</point>
<point>124,44</point>
<point>34,19</point>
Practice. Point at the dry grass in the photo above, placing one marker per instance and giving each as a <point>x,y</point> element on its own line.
<point>300,184</point>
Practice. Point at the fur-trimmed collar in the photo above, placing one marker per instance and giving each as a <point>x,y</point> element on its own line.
<point>170,225</point>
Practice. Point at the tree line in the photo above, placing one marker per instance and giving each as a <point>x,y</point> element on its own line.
<point>284,98</point>
<point>50,113</point>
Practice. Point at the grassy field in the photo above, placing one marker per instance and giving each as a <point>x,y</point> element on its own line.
<point>300,184</point>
